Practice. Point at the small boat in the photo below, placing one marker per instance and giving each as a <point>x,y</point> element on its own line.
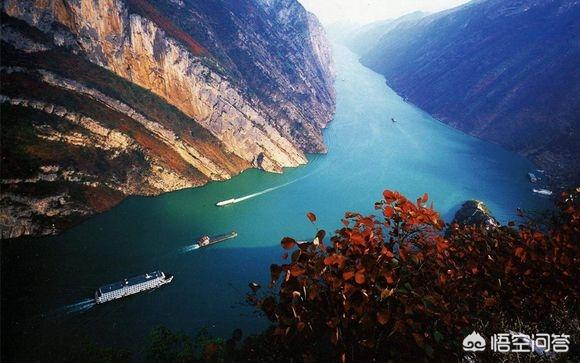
<point>205,241</point>
<point>533,178</point>
<point>226,202</point>
<point>542,191</point>
<point>393,119</point>
<point>132,286</point>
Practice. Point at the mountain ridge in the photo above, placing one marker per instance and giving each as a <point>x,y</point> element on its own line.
<point>112,98</point>
<point>504,71</point>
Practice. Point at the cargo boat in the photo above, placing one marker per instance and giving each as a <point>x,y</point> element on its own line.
<point>208,241</point>
<point>132,286</point>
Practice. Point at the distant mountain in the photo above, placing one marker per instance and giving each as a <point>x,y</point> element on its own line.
<point>365,38</point>
<point>107,98</point>
<point>504,70</point>
<point>341,30</point>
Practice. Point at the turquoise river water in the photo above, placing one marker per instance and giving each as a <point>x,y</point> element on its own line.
<point>47,283</point>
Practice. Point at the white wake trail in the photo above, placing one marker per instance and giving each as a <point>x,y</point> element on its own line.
<point>189,248</point>
<point>250,196</point>
<point>80,306</point>
<point>75,308</point>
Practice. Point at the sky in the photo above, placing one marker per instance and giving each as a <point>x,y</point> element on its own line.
<point>366,11</point>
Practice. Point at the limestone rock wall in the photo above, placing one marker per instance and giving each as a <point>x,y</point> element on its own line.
<point>108,98</point>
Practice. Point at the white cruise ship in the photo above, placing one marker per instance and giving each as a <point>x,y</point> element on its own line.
<point>132,286</point>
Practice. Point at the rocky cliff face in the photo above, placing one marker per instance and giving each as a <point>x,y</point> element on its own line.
<point>109,98</point>
<point>505,71</point>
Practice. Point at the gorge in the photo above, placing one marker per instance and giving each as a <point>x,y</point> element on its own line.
<point>367,153</point>
<point>505,71</point>
<point>113,98</point>
<point>131,129</point>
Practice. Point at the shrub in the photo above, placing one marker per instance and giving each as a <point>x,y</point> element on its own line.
<point>394,287</point>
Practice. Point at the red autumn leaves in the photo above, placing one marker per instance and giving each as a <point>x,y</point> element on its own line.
<point>288,243</point>
<point>381,282</point>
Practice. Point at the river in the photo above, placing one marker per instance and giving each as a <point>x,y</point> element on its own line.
<point>46,281</point>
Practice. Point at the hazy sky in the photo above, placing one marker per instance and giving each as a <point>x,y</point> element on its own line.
<point>365,11</point>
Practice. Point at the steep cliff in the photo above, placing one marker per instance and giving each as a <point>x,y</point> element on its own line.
<point>505,71</point>
<point>109,98</point>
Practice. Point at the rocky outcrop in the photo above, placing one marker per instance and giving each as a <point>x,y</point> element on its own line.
<point>157,101</point>
<point>502,70</point>
<point>475,212</point>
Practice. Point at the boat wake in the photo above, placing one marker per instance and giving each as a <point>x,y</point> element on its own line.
<point>79,307</point>
<point>190,248</point>
<point>411,140</point>
<point>73,309</point>
<point>250,196</point>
